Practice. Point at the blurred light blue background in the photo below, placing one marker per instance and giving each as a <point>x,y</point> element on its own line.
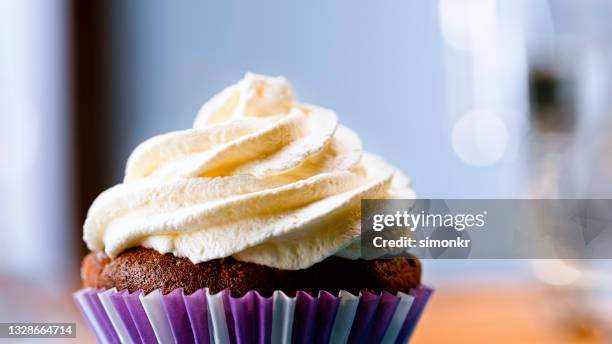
<point>380,66</point>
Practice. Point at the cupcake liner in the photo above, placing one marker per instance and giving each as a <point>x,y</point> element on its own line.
<point>123,317</point>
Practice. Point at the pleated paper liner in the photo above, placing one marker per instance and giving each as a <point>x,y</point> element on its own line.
<point>122,317</point>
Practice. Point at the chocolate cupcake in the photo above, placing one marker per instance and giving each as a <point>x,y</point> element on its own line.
<point>146,269</point>
<point>246,228</point>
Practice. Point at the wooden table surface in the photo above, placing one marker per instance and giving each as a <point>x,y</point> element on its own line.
<point>498,314</point>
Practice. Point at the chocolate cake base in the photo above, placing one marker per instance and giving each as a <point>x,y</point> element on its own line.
<point>146,269</point>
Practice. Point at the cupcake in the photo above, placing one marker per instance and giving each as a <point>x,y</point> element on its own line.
<point>245,229</point>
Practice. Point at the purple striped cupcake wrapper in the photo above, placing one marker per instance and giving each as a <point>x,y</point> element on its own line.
<point>122,317</point>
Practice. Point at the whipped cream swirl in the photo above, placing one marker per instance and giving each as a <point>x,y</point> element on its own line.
<point>260,177</point>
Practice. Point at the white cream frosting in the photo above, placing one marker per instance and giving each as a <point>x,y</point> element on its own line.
<point>260,177</point>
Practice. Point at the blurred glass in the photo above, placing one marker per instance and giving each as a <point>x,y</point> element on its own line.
<point>538,74</point>
<point>570,113</point>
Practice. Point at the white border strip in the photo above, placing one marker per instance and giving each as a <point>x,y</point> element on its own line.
<point>216,312</point>
<point>114,317</point>
<point>344,317</point>
<point>154,307</point>
<point>395,325</point>
<point>282,317</point>
<point>90,315</point>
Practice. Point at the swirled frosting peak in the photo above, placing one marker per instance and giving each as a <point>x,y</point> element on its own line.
<point>260,177</point>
